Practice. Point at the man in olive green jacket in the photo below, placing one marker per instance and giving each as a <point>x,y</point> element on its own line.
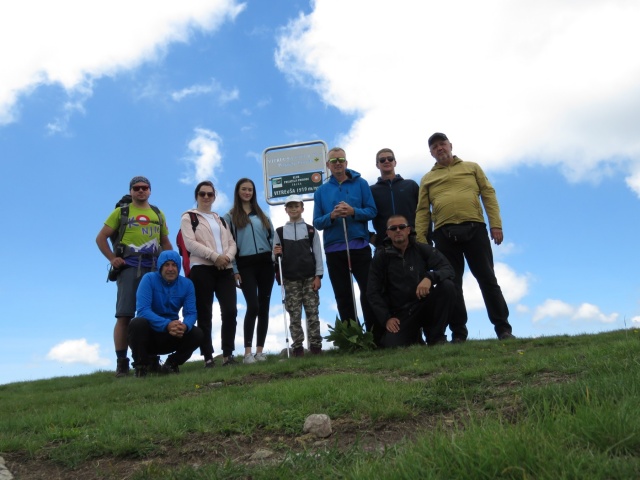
<point>450,197</point>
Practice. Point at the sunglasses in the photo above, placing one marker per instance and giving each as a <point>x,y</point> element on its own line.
<point>393,228</point>
<point>338,160</point>
<point>137,188</point>
<point>385,159</point>
<point>206,194</point>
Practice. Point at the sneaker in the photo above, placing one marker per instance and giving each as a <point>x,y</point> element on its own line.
<point>316,350</point>
<point>229,362</point>
<point>141,372</point>
<point>249,358</point>
<point>122,369</point>
<point>168,368</point>
<point>506,336</point>
<point>154,364</point>
<point>209,363</point>
<point>260,357</point>
<point>298,352</point>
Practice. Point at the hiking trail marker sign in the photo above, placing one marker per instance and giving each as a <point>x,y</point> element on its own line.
<point>298,168</point>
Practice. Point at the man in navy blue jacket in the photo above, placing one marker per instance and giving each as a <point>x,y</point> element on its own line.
<point>157,328</point>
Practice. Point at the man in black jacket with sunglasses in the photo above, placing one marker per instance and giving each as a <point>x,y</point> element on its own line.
<point>410,287</point>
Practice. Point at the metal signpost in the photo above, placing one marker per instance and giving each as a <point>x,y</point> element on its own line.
<point>299,168</point>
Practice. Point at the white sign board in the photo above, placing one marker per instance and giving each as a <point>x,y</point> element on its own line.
<point>298,168</point>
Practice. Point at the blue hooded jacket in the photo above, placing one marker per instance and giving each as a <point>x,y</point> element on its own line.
<point>356,192</point>
<point>160,301</point>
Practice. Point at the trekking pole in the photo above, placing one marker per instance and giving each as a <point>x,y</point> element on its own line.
<point>353,292</point>
<point>284,310</point>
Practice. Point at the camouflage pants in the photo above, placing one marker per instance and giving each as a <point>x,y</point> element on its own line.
<point>299,293</point>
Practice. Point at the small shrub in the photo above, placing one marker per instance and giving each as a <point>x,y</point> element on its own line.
<point>349,336</point>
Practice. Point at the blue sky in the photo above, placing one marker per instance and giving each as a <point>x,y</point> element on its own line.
<point>544,95</point>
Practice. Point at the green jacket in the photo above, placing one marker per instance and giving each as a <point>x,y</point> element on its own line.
<point>451,195</point>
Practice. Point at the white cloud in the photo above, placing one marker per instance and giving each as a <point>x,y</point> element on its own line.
<point>204,156</point>
<point>223,96</point>
<point>562,71</point>
<point>585,312</point>
<point>72,42</point>
<point>77,351</point>
<point>635,322</point>
<point>514,287</point>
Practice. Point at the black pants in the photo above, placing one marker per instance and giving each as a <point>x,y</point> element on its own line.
<point>476,249</point>
<point>432,314</point>
<point>257,283</point>
<point>338,267</point>
<point>208,280</point>
<point>145,341</point>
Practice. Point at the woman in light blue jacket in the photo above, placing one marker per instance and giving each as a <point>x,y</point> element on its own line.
<point>253,265</point>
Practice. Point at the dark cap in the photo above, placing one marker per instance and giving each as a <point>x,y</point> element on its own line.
<point>436,137</point>
<point>139,179</point>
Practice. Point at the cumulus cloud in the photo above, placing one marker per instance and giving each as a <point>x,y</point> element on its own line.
<point>222,95</point>
<point>71,42</point>
<point>514,287</point>
<point>635,322</point>
<point>204,156</point>
<point>561,71</point>
<point>585,312</point>
<point>77,351</point>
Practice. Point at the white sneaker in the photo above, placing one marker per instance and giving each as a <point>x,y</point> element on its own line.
<point>260,357</point>
<point>249,358</point>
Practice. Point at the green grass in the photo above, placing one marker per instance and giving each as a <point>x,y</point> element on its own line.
<point>554,407</point>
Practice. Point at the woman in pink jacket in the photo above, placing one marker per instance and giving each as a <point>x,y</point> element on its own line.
<point>212,250</point>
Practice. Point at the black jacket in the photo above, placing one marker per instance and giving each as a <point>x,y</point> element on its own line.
<point>393,197</point>
<point>393,278</point>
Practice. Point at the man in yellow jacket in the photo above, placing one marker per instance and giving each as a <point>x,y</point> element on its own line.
<point>450,196</point>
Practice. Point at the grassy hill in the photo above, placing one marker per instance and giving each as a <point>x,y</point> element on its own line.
<point>545,408</point>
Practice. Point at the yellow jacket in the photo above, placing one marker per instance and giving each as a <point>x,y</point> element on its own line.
<point>451,195</point>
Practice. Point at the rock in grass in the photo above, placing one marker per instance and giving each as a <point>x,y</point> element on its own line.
<point>318,424</point>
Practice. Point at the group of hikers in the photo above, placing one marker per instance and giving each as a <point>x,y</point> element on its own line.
<point>410,292</point>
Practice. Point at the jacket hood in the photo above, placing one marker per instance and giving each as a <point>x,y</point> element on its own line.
<point>351,175</point>
<point>169,255</point>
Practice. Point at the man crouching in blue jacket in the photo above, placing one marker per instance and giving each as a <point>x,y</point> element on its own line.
<point>157,328</point>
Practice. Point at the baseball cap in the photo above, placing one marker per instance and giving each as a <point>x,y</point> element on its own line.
<point>292,199</point>
<point>436,137</point>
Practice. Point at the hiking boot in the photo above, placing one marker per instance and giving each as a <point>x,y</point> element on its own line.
<point>249,359</point>
<point>298,352</point>
<point>141,372</point>
<point>260,357</point>
<point>229,362</point>
<point>506,336</point>
<point>122,369</point>
<point>209,363</point>
<point>169,368</point>
<point>316,350</point>
<point>154,364</point>
<point>458,340</point>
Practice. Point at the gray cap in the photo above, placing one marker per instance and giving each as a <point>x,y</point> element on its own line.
<point>139,179</point>
<point>292,199</point>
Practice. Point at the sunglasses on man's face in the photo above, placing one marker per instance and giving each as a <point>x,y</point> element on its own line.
<point>338,160</point>
<point>137,188</point>
<point>206,194</point>
<point>393,228</point>
<point>386,159</point>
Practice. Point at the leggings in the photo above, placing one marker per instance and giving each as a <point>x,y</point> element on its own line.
<point>257,283</point>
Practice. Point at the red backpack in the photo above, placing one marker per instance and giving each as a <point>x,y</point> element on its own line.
<point>182,248</point>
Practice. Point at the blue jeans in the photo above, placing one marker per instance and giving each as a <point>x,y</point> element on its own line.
<point>475,247</point>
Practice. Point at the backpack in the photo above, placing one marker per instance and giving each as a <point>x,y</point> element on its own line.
<point>116,236</point>
<point>182,247</point>
<point>280,231</point>
<point>123,205</point>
